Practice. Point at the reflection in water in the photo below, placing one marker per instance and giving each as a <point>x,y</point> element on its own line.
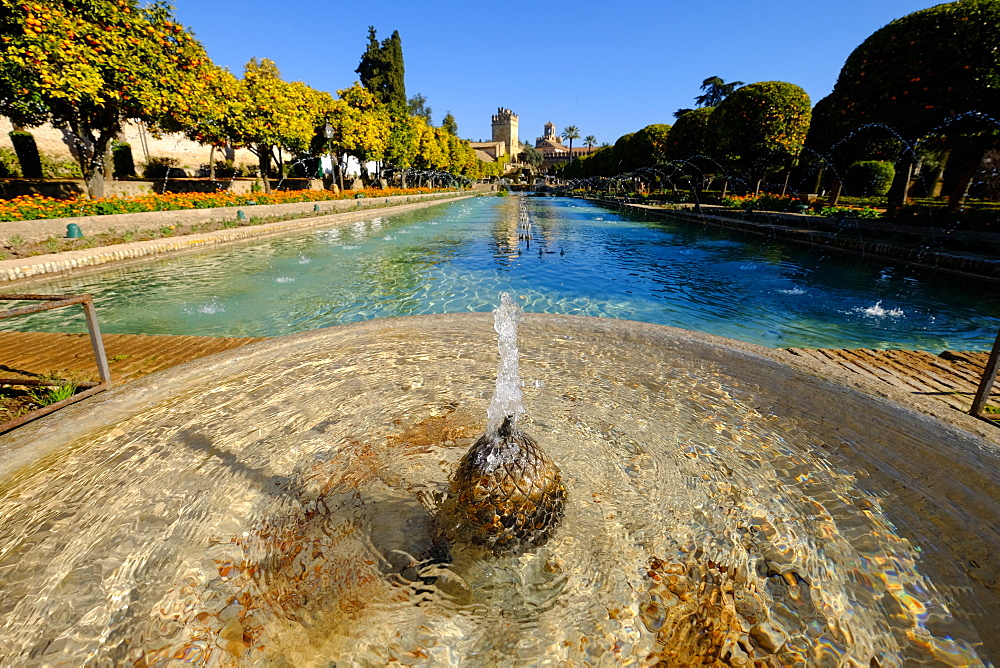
<point>575,259</point>
<point>721,508</point>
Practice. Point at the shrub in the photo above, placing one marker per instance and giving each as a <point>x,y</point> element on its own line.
<point>761,202</point>
<point>124,164</point>
<point>159,168</point>
<point>55,167</point>
<point>869,178</point>
<point>867,213</point>
<point>9,166</point>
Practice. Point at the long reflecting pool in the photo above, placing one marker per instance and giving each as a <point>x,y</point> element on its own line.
<point>576,258</point>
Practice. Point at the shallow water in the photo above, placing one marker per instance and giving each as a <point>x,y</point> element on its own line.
<point>268,508</point>
<point>578,259</point>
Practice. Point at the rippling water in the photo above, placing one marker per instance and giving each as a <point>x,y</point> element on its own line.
<point>265,512</point>
<point>578,259</point>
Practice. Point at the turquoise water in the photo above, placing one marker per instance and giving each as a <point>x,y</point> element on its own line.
<point>578,259</point>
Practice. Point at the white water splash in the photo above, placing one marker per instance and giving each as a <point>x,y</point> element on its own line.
<point>211,308</point>
<point>877,311</point>
<point>507,395</point>
<point>284,279</point>
<point>793,291</point>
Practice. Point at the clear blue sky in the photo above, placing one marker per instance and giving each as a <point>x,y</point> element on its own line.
<point>607,67</point>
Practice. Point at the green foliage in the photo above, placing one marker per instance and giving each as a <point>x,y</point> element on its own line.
<point>763,125</point>
<point>275,114</point>
<point>381,69</point>
<point>450,125</point>
<point>922,69</point>
<point>932,76</point>
<point>59,167</point>
<point>401,148</point>
<point>869,178</point>
<point>27,154</point>
<point>47,395</point>
<point>760,202</point>
<point>417,106</point>
<point>89,66</point>
<point>361,125</point>
<point>9,166</point>
<point>866,213</point>
<point>646,147</point>
<point>829,139</point>
<point>532,156</point>
<point>158,168</point>
<point>716,90</point>
<point>690,135</point>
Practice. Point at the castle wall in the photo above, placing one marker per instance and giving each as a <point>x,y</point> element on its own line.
<point>505,130</point>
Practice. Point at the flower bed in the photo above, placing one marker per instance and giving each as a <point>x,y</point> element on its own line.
<point>36,207</point>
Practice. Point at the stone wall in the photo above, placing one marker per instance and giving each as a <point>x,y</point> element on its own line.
<point>188,154</point>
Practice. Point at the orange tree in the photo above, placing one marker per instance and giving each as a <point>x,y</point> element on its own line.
<point>761,127</point>
<point>361,125</point>
<point>689,136</point>
<point>933,74</point>
<point>88,66</point>
<point>401,147</point>
<point>430,152</point>
<point>211,121</point>
<point>275,116</point>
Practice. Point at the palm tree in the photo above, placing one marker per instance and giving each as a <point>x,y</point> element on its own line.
<point>590,141</point>
<point>571,132</point>
<point>716,90</point>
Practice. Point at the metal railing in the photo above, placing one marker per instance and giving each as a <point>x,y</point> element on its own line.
<point>986,384</point>
<point>96,343</point>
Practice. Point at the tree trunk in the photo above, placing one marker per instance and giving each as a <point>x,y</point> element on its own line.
<point>92,154</point>
<point>211,163</point>
<point>264,163</point>
<point>835,192</point>
<point>899,193</point>
<point>970,162</point>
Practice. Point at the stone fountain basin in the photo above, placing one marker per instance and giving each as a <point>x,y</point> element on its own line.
<point>936,482</point>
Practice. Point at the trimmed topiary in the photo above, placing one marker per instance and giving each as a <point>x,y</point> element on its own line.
<point>869,178</point>
<point>27,154</point>
<point>762,125</point>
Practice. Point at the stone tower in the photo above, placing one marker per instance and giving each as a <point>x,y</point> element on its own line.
<point>505,130</point>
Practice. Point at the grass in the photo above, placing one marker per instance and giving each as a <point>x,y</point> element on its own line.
<point>47,395</point>
<point>18,400</point>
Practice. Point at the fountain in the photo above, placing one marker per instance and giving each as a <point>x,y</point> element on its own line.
<point>506,495</point>
<point>724,506</point>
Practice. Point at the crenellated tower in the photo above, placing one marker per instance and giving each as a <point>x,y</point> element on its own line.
<point>505,130</point>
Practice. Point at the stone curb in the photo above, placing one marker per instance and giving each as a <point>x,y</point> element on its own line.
<point>74,261</point>
<point>43,228</point>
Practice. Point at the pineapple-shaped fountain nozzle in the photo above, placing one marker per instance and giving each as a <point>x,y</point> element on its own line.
<point>506,494</point>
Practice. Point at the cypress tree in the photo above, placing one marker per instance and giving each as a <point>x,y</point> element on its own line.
<point>381,68</point>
